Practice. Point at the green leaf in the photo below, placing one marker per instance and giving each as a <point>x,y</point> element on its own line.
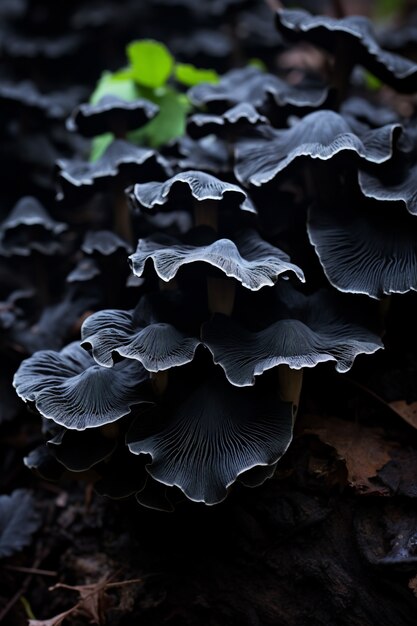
<point>258,63</point>
<point>125,73</point>
<point>117,84</point>
<point>189,75</point>
<point>152,62</point>
<point>168,124</point>
<point>99,145</point>
<point>371,81</point>
<point>388,8</point>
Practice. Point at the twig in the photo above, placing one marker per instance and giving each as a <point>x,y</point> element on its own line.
<point>13,600</point>
<point>25,585</point>
<point>97,586</point>
<point>30,570</point>
<point>369,392</point>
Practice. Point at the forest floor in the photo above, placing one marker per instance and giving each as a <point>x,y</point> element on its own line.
<point>331,539</point>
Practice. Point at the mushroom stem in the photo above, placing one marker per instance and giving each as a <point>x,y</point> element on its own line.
<point>40,277</point>
<point>338,8</point>
<point>290,384</point>
<point>274,5</point>
<point>120,131</point>
<point>110,431</point>
<point>24,122</point>
<point>384,310</point>
<point>206,214</point>
<point>89,476</point>
<point>317,183</point>
<point>221,295</point>
<point>159,382</point>
<point>232,30</point>
<point>122,221</point>
<point>341,71</point>
<point>231,139</point>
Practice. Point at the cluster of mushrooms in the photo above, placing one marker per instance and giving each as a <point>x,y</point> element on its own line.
<point>265,241</point>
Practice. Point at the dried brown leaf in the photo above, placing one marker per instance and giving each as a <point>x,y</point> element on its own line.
<point>92,604</point>
<point>364,450</point>
<point>52,621</point>
<point>407,411</point>
<point>412,583</point>
<point>400,473</point>
<point>93,600</point>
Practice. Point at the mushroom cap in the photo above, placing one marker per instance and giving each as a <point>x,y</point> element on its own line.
<point>356,35</point>
<point>28,228</point>
<point>158,346</point>
<point>252,86</point>
<point>161,333</point>
<point>401,187</point>
<point>301,332</point>
<point>55,105</point>
<point>121,164</point>
<point>209,154</point>
<point>191,184</point>
<point>104,243</point>
<point>360,249</point>
<point>79,451</point>
<point>111,114</point>
<point>250,260</point>
<point>235,120</point>
<point>84,271</point>
<point>320,135</point>
<point>213,436</point>
<point>69,387</point>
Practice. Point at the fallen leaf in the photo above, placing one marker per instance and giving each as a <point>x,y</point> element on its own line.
<point>407,411</point>
<point>93,601</point>
<point>364,450</point>
<point>18,521</point>
<point>400,473</point>
<point>53,621</point>
<point>386,534</point>
<point>412,583</point>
